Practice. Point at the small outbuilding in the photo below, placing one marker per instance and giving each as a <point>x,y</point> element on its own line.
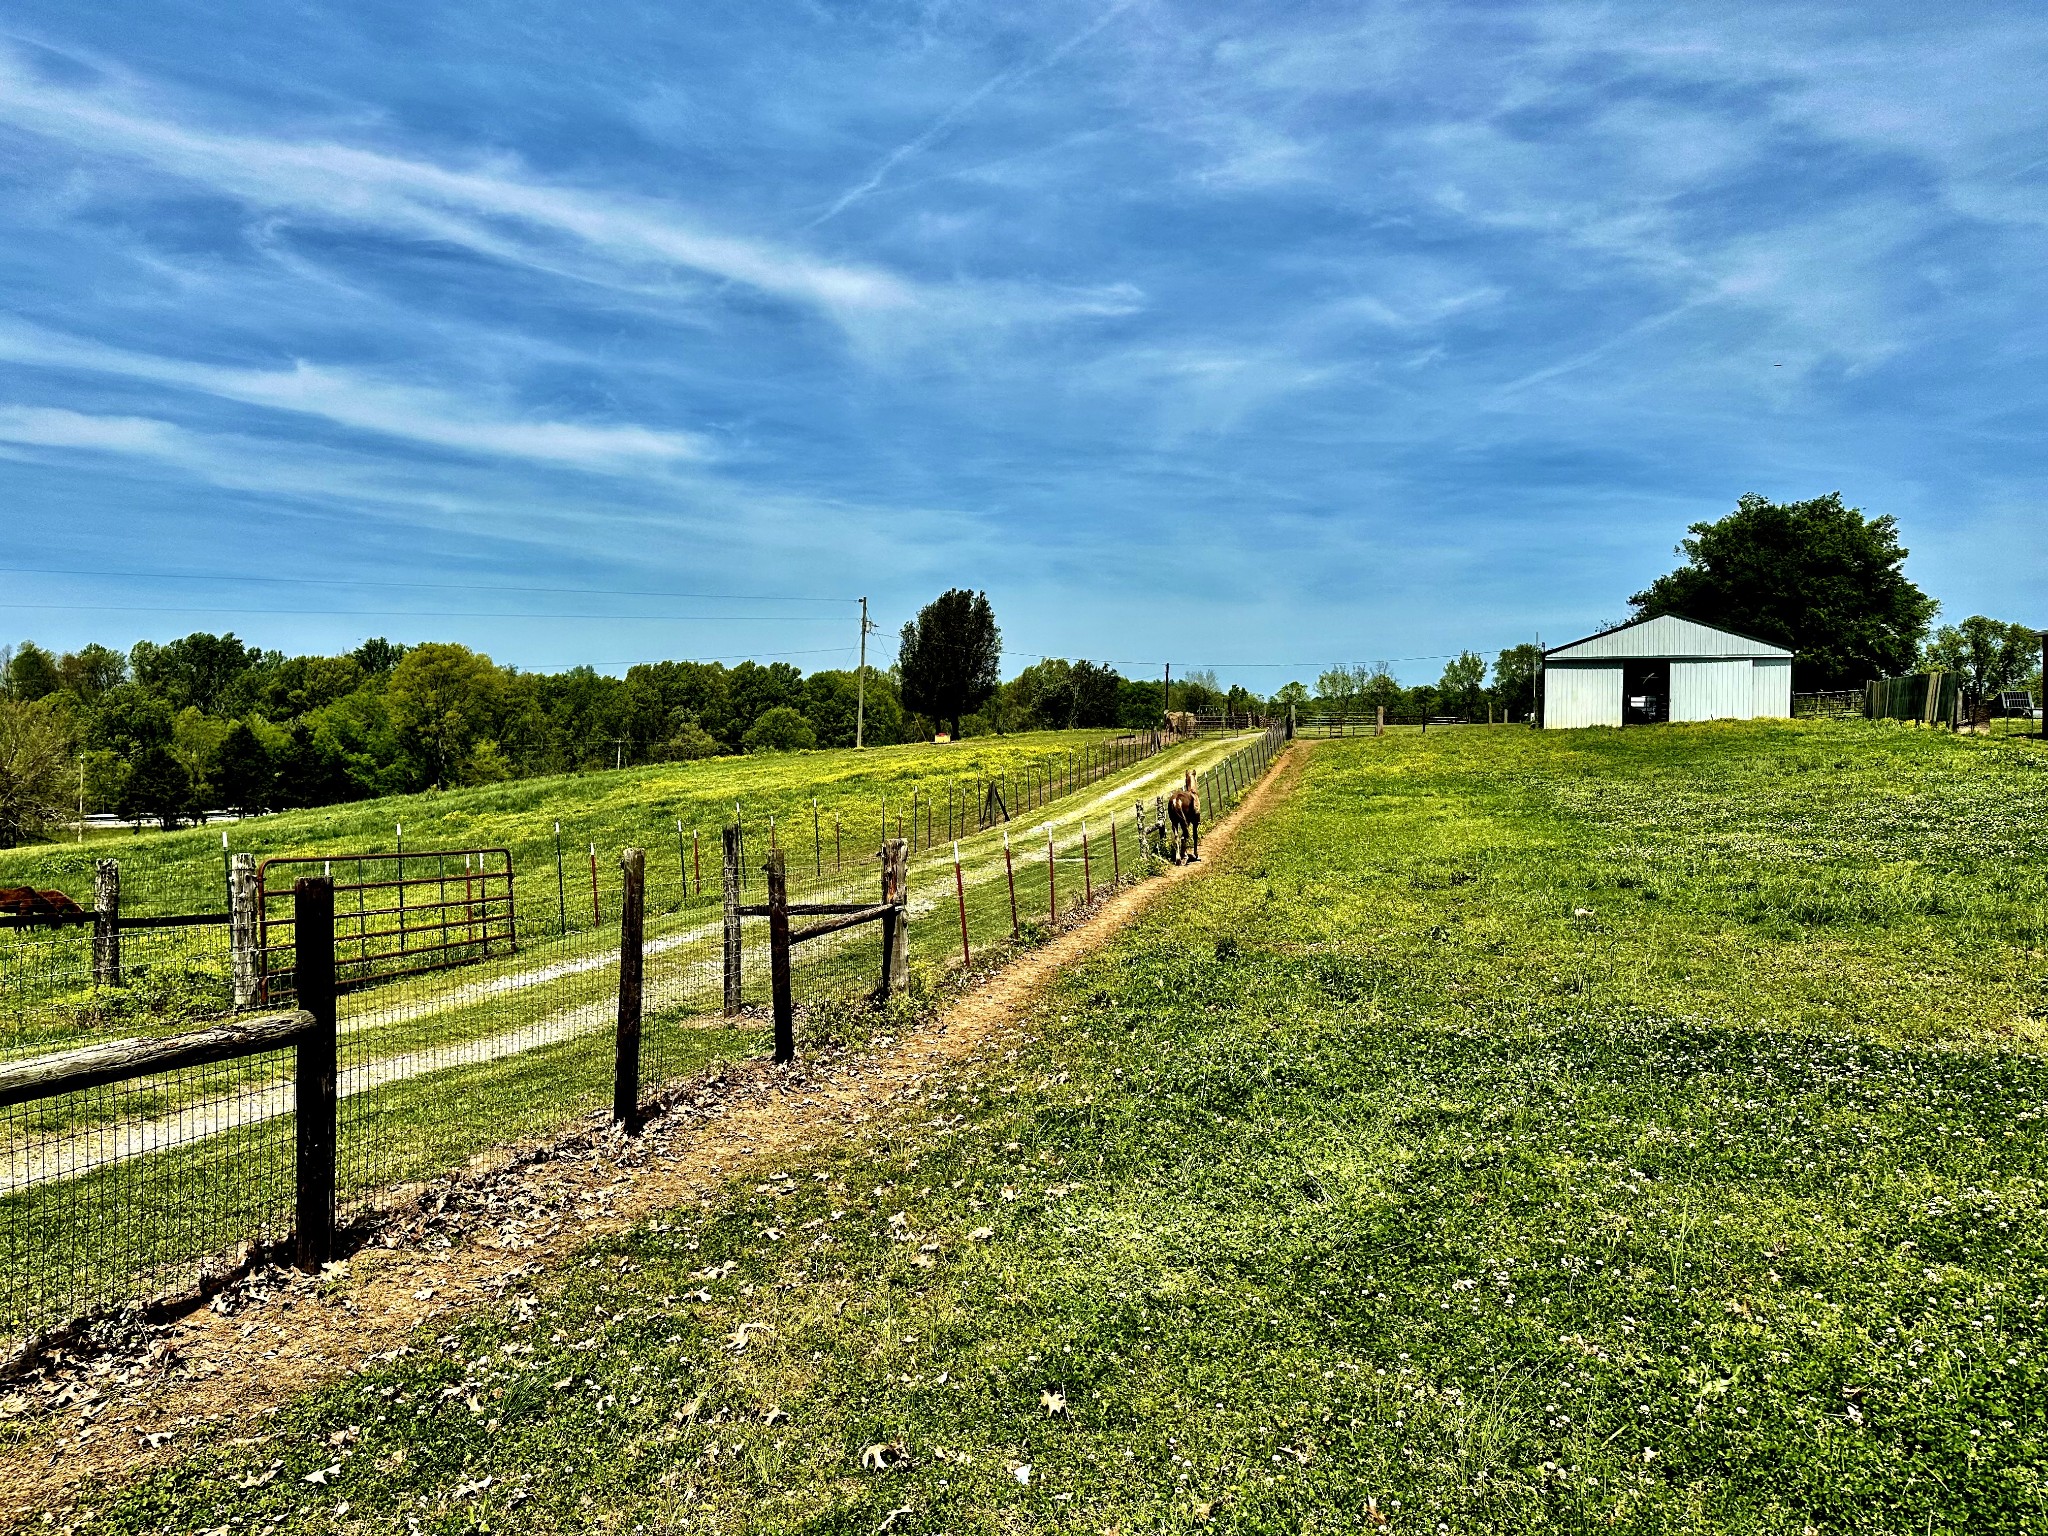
<point>1666,668</point>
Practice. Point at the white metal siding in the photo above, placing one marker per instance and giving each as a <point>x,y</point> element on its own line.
<point>1575,696</point>
<point>1712,690</point>
<point>1771,690</point>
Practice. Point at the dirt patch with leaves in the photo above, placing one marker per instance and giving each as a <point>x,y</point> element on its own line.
<point>131,1392</point>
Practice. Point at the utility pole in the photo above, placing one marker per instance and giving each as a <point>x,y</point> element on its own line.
<point>860,710</point>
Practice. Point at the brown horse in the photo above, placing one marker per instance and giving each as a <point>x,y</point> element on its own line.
<point>1184,810</point>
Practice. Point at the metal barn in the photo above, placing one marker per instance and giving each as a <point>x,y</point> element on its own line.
<point>1666,668</point>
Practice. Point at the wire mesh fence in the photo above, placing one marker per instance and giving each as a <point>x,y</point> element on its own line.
<point>121,1192</point>
<point>134,1189</point>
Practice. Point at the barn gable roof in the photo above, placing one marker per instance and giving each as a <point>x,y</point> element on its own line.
<point>1666,635</point>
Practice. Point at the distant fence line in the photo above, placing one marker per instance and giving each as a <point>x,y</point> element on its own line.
<point>141,1168</point>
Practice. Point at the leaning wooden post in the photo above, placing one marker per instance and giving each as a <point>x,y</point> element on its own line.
<point>243,901</point>
<point>106,923</point>
<point>1116,867</point>
<point>960,892</point>
<point>314,1105</point>
<point>1087,868</point>
<point>778,959</point>
<point>1010,871</point>
<point>632,956</point>
<point>732,920</point>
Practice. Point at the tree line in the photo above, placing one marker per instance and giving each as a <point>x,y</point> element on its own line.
<point>172,732</point>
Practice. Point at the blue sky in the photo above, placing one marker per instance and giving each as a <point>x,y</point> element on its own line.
<point>1251,336</point>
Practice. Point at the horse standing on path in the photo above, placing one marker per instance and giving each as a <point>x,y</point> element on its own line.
<point>1184,810</point>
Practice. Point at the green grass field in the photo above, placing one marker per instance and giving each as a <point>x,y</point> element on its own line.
<point>1605,1131</point>
<point>827,809</point>
<point>118,1191</point>
<point>183,871</point>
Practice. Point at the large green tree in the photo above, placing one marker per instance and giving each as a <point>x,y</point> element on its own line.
<point>1988,653</point>
<point>1815,576</point>
<point>949,656</point>
<point>31,673</point>
<point>445,700</point>
<point>1462,688</point>
<point>158,788</point>
<point>36,775</point>
<point>1514,681</point>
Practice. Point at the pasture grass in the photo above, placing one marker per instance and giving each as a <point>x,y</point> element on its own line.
<point>1598,1131</point>
<point>183,871</point>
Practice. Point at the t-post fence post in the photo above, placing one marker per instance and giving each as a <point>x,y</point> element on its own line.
<point>778,959</point>
<point>632,953</point>
<point>732,920</point>
<point>561,886</point>
<point>314,1088</point>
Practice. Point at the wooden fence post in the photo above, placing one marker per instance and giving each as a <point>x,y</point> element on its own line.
<point>106,923</point>
<point>632,956</point>
<point>243,899</point>
<point>1116,866</point>
<point>960,893</point>
<point>896,921</point>
<point>314,1094</point>
<point>732,920</point>
<point>1087,867</point>
<point>778,959</point>
<point>1052,880</point>
<point>1010,872</point>
<point>1379,722</point>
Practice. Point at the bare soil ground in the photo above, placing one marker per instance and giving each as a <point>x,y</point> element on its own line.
<point>139,1393</point>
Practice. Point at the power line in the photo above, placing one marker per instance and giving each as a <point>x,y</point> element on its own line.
<point>425,613</point>
<point>437,586</point>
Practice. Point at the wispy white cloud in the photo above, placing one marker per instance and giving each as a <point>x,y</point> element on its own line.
<point>493,208</point>
<point>36,426</point>
<point>349,399</point>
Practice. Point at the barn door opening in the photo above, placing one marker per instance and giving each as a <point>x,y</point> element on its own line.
<point>1645,692</point>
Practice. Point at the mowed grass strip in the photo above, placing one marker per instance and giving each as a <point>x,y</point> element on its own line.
<point>1611,1132</point>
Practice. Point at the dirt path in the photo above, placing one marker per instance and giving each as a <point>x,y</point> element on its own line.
<point>486,1233</point>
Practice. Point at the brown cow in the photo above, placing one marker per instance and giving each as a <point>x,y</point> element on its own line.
<point>1184,810</point>
<point>26,901</point>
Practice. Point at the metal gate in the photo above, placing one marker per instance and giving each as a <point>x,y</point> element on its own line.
<point>395,914</point>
